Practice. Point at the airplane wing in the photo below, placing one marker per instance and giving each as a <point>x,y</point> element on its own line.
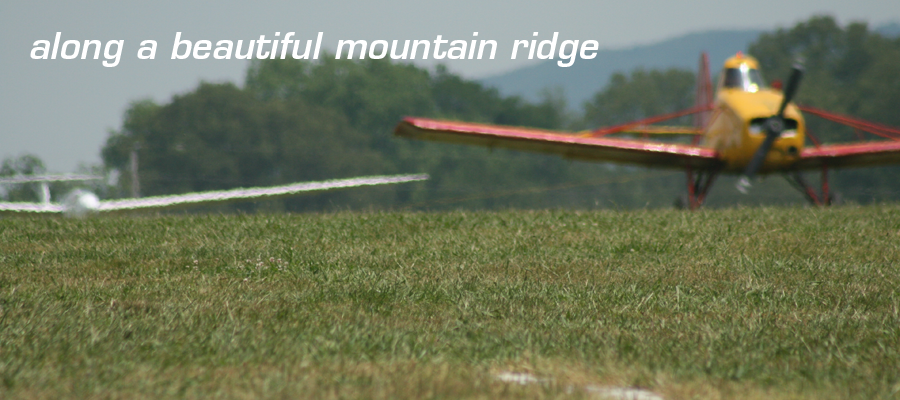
<point>21,207</point>
<point>664,130</point>
<point>26,207</point>
<point>647,153</point>
<point>50,178</point>
<point>864,154</point>
<point>159,202</point>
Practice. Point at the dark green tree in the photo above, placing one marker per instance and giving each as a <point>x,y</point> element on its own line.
<point>374,95</point>
<point>849,70</point>
<point>221,137</point>
<point>25,164</point>
<point>639,95</point>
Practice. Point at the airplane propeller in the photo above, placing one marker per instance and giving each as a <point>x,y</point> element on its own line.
<point>774,125</point>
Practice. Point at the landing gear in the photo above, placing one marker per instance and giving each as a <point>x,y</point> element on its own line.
<point>825,198</point>
<point>698,184</point>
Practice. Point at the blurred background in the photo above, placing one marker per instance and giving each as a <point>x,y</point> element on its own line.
<point>196,125</point>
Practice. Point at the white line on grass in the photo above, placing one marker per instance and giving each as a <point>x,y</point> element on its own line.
<point>609,392</point>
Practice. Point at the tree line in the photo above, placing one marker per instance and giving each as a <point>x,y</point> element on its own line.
<point>296,120</point>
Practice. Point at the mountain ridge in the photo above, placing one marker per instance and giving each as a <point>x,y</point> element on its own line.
<point>585,77</point>
<point>580,81</point>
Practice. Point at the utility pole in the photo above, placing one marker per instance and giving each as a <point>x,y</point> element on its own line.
<point>135,182</point>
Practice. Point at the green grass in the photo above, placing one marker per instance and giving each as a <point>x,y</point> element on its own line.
<point>740,303</point>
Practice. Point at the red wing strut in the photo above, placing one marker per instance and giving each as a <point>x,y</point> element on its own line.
<point>862,154</point>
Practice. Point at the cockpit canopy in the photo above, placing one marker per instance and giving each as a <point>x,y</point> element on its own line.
<point>741,73</point>
<point>743,78</point>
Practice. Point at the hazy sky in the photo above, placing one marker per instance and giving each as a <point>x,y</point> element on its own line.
<point>62,110</point>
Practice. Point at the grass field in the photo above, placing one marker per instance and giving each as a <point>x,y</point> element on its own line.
<point>740,303</point>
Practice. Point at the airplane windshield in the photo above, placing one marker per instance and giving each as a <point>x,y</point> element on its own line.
<point>744,78</point>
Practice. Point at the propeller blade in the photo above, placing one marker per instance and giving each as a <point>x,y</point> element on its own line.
<point>743,184</point>
<point>774,126</point>
<point>791,89</point>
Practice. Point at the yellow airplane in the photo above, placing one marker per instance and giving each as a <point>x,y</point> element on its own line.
<point>747,129</point>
